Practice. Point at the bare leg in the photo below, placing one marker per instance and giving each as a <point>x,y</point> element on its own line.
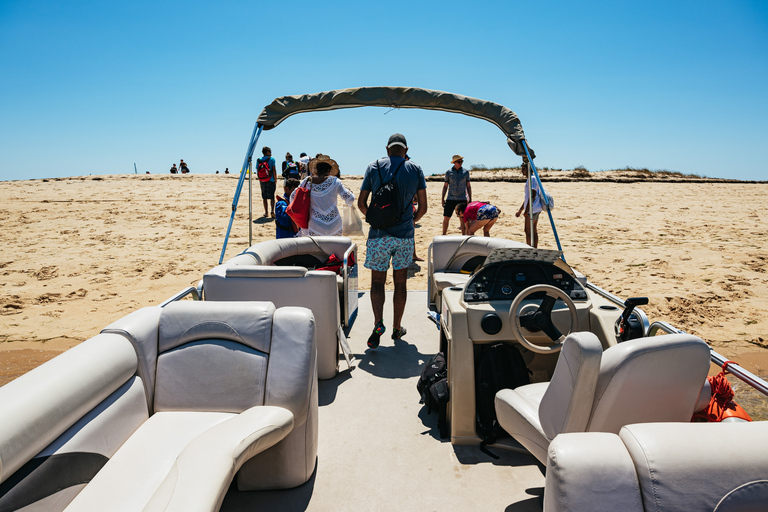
<point>535,233</point>
<point>266,211</point>
<point>487,227</point>
<point>446,221</point>
<point>400,296</point>
<point>476,224</point>
<point>415,257</point>
<point>527,224</point>
<point>378,279</point>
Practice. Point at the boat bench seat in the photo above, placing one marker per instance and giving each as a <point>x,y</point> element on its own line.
<point>310,253</point>
<point>660,466</point>
<point>182,460</point>
<point>163,409</point>
<point>286,286</point>
<point>452,257</point>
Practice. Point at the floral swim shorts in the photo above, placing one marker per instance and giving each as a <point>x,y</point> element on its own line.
<point>487,212</point>
<point>380,250</point>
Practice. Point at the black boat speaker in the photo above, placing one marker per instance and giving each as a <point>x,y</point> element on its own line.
<point>491,323</point>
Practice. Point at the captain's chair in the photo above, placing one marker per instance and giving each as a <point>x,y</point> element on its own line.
<point>451,258</point>
<point>639,381</point>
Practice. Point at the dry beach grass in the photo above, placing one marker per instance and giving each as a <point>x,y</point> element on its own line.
<point>79,253</point>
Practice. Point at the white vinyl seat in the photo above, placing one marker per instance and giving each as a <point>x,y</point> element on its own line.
<point>639,381</point>
<point>286,286</point>
<point>234,396</point>
<point>310,252</point>
<point>722,467</point>
<point>449,254</point>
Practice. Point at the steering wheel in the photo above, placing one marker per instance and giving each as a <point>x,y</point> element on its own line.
<point>541,319</point>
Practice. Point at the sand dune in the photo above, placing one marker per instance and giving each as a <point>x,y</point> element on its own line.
<point>79,253</point>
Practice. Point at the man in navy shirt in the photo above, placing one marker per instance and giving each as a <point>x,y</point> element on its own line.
<point>395,243</point>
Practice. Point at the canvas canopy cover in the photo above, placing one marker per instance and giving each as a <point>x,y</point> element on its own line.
<point>393,97</point>
<point>397,97</point>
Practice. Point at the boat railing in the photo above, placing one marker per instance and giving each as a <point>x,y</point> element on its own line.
<point>651,330</point>
<point>183,293</point>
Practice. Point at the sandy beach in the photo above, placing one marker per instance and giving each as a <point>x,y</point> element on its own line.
<point>79,253</point>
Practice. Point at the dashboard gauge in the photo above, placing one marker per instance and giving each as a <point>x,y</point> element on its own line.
<point>503,280</point>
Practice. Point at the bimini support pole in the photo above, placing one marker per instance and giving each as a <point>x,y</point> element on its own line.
<point>541,187</point>
<point>244,171</point>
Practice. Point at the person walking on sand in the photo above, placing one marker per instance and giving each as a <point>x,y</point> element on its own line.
<point>458,188</point>
<point>174,170</point>
<point>394,243</point>
<point>476,215</point>
<point>325,189</point>
<point>268,187</point>
<point>183,169</point>
<point>532,212</point>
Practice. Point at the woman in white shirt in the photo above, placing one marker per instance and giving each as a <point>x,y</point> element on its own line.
<point>326,188</point>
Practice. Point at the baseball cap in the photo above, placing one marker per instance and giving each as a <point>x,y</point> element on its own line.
<point>397,139</point>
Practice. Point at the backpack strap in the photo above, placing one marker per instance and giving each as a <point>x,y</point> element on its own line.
<point>381,180</point>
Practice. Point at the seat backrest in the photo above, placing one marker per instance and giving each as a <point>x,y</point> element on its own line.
<point>566,404</point>
<point>285,286</point>
<point>649,380</point>
<point>271,251</point>
<point>591,472</point>
<point>212,358</point>
<point>660,466</point>
<point>222,357</point>
<point>458,249</point>
<point>700,466</point>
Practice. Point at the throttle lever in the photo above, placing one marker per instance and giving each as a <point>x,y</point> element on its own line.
<point>622,327</point>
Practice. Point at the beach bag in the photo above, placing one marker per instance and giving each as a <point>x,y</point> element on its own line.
<point>298,209</point>
<point>291,170</point>
<point>501,367</point>
<point>352,222</point>
<point>334,264</point>
<point>263,171</point>
<point>547,201</point>
<point>384,211</point>
<point>433,390</point>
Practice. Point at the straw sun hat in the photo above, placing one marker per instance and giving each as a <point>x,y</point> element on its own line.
<point>456,157</point>
<point>326,159</point>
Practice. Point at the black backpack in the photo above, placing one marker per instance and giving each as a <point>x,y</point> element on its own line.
<point>433,389</point>
<point>501,367</point>
<point>384,211</point>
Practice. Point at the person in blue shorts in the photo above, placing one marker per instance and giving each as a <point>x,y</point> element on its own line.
<point>397,242</point>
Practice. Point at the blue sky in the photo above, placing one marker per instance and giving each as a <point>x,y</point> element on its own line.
<point>94,87</point>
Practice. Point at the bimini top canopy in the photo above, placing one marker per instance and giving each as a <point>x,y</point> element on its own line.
<point>397,97</point>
